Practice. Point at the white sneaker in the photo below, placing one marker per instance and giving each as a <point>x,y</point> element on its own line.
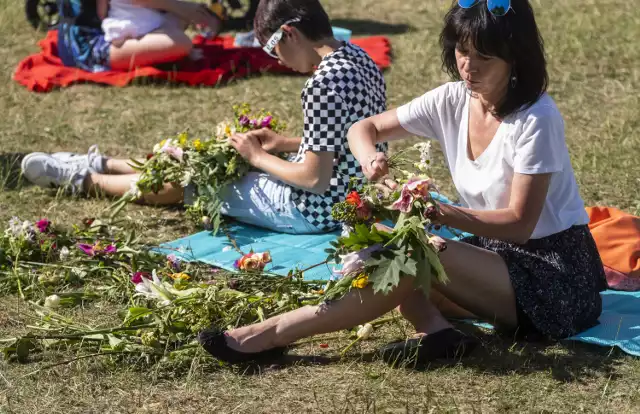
<point>92,160</point>
<point>48,172</point>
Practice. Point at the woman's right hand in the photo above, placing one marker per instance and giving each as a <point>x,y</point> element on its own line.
<point>375,166</point>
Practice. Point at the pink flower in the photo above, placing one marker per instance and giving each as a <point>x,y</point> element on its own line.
<point>174,152</point>
<point>354,261</point>
<point>137,277</point>
<point>253,123</point>
<point>97,249</point>
<point>420,187</point>
<point>43,225</point>
<point>414,189</point>
<point>266,122</point>
<point>405,202</point>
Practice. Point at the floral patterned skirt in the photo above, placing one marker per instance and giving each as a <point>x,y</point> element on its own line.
<point>557,281</point>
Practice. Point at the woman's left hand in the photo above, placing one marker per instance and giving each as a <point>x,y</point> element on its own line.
<point>248,146</point>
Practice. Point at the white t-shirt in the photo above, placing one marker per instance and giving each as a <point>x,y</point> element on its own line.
<point>528,142</point>
<point>128,21</point>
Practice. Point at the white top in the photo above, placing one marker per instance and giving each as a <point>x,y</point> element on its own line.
<point>128,21</point>
<point>531,141</point>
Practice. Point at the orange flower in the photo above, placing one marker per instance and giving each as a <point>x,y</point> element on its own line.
<point>354,199</point>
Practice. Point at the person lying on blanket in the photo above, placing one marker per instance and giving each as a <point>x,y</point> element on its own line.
<point>533,266</point>
<point>136,32</point>
<point>288,196</point>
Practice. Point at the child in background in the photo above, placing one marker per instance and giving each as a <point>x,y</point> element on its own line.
<point>287,196</point>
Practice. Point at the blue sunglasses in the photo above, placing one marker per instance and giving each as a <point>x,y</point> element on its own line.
<point>496,7</point>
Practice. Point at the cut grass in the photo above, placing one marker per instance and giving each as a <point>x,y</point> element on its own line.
<point>595,73</point>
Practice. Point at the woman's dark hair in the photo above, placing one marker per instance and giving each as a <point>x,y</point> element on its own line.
<point>271,14</point>
<point>513,38</point>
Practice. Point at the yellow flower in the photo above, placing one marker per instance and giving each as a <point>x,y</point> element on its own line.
<point>361,281</point>
<point>197,145</point>
<point>179,276</point>
<point>227,130</point>
<point>182,138</point>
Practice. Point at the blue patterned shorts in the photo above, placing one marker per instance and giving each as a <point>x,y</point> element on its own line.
<point>83,47</point>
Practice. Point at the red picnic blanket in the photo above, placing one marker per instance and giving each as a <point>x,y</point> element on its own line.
<point>222,61</point>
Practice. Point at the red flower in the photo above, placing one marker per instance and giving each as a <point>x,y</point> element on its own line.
<point>354,199</point>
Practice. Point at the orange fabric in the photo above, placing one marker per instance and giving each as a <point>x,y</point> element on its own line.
<point>222,62</point>
<point>617,235</point>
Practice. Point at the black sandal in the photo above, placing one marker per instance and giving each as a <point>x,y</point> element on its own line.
<point>445,344</point>
<point>214,341</point>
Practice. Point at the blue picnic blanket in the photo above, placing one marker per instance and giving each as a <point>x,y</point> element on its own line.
<point>619,323</point>
<point>288,251</point>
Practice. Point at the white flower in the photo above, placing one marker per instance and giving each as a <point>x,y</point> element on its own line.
<point>64,253</point>
<point>227,248</point>
<point>425,155</point>
<point>134,191</point>
<point>52,302</point>
<point>186,178</point>
<point>364,331</point>
<point>15,226</point>
<point>346,230</point>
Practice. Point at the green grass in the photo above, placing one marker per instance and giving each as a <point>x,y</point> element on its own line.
<point>595,75</point>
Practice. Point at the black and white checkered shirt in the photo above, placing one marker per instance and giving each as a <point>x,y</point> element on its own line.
<point>346,87</point>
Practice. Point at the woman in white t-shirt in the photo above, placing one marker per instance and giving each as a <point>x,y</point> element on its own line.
<point>533,266</point>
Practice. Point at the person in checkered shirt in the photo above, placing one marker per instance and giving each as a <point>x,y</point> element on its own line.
<point>345,86</point>
<point>289,196</point>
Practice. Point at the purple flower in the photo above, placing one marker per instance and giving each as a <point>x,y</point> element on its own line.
<point>266,122</point>
<point>110,249</point>
<point>97,249</point>
<point>87,249</point>
<point>244,120</point>
<point>173,262</point>
<point>136,278</point>
<point>43,225</point>
<point>236,264</point>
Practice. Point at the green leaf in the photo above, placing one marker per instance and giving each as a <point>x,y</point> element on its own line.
<point>115,343</point>
<point>390,265</point>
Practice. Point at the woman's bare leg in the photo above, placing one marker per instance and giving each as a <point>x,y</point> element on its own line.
<point>358,307</point>
<point>118,166</point>
<point>478,281</point>
<point>119,185</point>
<point>169,44</point>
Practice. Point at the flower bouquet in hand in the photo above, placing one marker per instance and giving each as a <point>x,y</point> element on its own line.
<point>373,255</point>
<point>207,165</point>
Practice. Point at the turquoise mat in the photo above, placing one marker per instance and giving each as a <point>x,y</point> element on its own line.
<point>288,251</point>
<point>619,323</point>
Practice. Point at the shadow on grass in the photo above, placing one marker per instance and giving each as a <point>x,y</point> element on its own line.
<point>567,361</point>
<point>10,173</point>
<point>367,27</point>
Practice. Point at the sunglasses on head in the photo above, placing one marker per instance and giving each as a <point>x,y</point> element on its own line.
<point>270,46</point>
<point>496,7</point>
